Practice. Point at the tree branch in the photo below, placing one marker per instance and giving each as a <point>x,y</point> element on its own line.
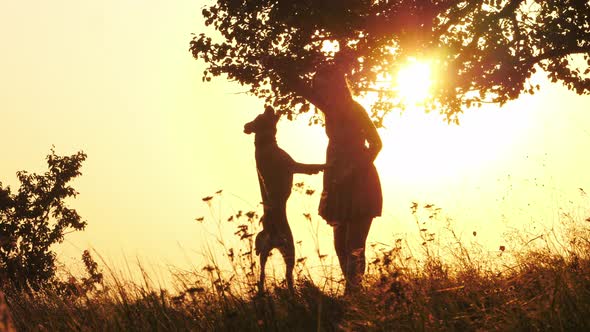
<point>559,53</point>
<point>453,19</point>
<point>298,86</point>
<point>504,13</point>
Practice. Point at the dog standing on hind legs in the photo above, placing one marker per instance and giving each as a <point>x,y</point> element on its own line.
<point>275,175</point>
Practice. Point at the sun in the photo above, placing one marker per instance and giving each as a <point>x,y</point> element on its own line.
<point>420,147</point>
<point>413,82</point>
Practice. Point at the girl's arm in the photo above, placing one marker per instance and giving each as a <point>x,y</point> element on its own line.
<point>371,134</point>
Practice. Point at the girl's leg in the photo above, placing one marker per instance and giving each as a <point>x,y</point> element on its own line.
<point>340,231</point>
<point>350,241</point>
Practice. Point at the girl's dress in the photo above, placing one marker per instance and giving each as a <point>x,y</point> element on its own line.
<point>352,189</point>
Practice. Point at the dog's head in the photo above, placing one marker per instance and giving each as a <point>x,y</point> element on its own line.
<point>265,122</point>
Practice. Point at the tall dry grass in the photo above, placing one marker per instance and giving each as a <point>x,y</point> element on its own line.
<point>430,282</point>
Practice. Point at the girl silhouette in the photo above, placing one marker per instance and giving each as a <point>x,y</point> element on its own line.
<point>351,195</point>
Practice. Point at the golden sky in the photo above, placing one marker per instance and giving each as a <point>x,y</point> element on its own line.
<point>115,79</point>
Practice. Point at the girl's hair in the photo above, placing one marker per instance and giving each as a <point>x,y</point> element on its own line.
<point>330,81</point>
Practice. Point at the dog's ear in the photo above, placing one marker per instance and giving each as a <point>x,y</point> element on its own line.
<point>268,110</point>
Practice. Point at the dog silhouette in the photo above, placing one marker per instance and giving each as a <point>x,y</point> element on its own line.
<point>275,175</point>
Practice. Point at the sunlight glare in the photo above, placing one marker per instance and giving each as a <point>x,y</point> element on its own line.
<point>414,81</point>
<point>421,149</point>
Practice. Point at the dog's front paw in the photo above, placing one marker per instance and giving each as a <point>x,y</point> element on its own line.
<point>318,168</point>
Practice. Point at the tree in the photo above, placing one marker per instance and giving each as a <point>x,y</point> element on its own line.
<point>486,50</point>
<point>35,218</point>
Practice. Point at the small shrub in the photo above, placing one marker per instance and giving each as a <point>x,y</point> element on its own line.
<point>36,217</point>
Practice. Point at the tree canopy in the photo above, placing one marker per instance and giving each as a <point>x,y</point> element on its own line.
<point>484,50</point>
<point>35,218</point>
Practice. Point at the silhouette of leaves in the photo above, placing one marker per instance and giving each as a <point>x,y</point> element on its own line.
<point>246,236</point>
<point>35,218</point>
<point>489,47</point>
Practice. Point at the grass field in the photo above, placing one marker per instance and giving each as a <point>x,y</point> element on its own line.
<point>434,282</point>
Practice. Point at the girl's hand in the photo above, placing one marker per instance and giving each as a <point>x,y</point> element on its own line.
<point>342,173</point>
